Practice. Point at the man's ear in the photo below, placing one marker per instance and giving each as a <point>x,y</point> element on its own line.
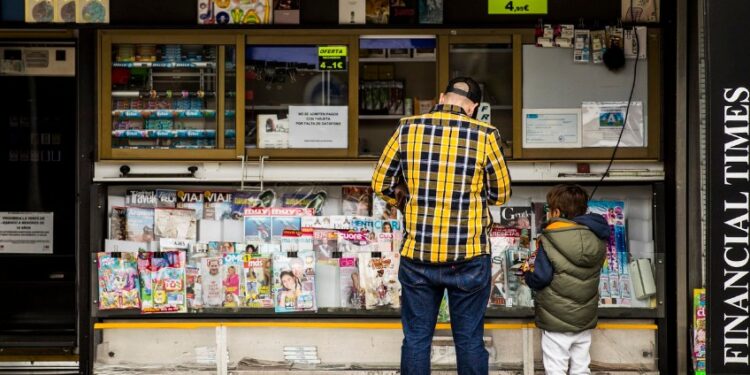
<point>474,108</point>
<point>442,99</point>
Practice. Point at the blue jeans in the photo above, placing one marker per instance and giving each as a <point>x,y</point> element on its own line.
<point>422,287</point>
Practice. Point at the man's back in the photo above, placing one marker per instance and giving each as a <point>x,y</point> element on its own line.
<point>452,166</point>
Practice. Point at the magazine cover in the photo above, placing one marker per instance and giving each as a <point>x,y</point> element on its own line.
<point>212,281</point>
<point>258,279</point>
<point>139,224</point>
<point>192,200</point>
<point>198,251</point>
<point>517,292</point>
<point>403,12</point>
<point>247,12</point>
<point>616,262</point>
<point>520,217</point>
<point>175,223</point>
<point>502,240</point>
<point>389,235</point>
<point>118,281</point>
<point>141,198</point>
<point>382,210</point>
<point>315,201</point>
<point>221,247</point>
<point>699,331</point>
<point>193,287</point>
<point>351,11</point>
<point>166,198</point>
<point>352,292</point>
<point>243,200</point>
<point>294,282</point>
<point>350,241</point>
<point>325,243</point>
<point>117,219</point>
<point>431,11</point>
<point>540,217</point>
<point>377,11</point>
<point>379,278</point>
<point>258,228</point>
<point>356,200</point>
<point>162,278</point>
<point>281,224</point>
<point>233,266</point>
<point>217,205</point>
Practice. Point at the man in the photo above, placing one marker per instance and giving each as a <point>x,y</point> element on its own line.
<point>443,169</point>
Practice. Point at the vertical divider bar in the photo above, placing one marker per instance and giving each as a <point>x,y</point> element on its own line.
<point>528,350</point>
<point>517,96</point>
<point>220,97</point>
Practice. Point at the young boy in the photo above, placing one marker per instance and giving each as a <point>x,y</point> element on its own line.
<point>565,275</point>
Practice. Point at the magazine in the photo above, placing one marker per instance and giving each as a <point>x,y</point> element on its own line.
<point>217,205</point>
<point>193,287</point>
<point>502,240</point>
<point>315,201</point>
<point>162,278</point>
<point>233,279</point>
<point>520,217</point>
<point>212,281</point>
<point>350,241</point>
<point>258,228</point>
<point>141,198</point>
<point>166,198</point>
<point>118,281</point>
<point>352,293</point>
<point>431,11</point>
<point>382,210</point>
<point>540,217</point>
<point>403,12</point>
<point>281,224</point>
<point>139,224</point>
<point>379,277</point>
<point>517,292</point>
<point>258,279</point>
<point>389,235</point>
<point>220,247</point>
<point>117,230</point>
<point>175,223</point>
<point>377,11</point>
<point>325,243</point>
<point>192,200</point>
<point>356,200</point>
<point>294,282</point>
<point>615,267</point>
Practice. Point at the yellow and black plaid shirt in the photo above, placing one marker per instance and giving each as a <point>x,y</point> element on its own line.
<point>453,168</point>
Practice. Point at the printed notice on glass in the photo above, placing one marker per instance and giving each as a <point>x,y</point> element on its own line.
<point>603,124</point>
<point>26,232</point>
<point>552,128</point>
<point>318,127</point>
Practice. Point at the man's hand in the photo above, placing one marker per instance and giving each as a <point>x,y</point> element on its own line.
<point>401,193</point>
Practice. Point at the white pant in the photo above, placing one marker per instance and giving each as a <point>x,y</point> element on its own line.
<point>559,349</point>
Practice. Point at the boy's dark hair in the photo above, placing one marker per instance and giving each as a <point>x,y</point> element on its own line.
<point>570,199</point>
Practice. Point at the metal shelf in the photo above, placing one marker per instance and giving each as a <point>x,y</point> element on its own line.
<point>163,64</point>
<point>397,59</point>
<point>381,117</point>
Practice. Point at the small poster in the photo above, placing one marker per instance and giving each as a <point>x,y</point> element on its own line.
<point>552,128</point>
<point>318,126</point>
<point>603,122</point>
<point>26,232</point>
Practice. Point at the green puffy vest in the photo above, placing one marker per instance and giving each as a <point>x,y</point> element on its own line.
<point>570,302</point>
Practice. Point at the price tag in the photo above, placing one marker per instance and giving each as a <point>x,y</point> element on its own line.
<point>510,7</point>
<point>332,58</point>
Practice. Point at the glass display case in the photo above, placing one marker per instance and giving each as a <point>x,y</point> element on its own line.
<point>167,98</point>
<point>297,97</point>
<point>490,60</point>
<point>398,78</point>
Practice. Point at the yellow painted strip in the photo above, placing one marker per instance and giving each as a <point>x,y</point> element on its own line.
<point>334,325</point>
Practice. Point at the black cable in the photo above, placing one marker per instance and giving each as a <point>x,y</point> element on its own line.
<point>627,109</point>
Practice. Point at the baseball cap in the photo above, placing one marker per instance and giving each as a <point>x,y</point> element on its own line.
<point>474,92</point>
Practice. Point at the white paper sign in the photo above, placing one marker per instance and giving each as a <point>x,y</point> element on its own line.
<point>318,127</point>
<point>603,121</point>
<point>552,128</point>
<point>26,232</point>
